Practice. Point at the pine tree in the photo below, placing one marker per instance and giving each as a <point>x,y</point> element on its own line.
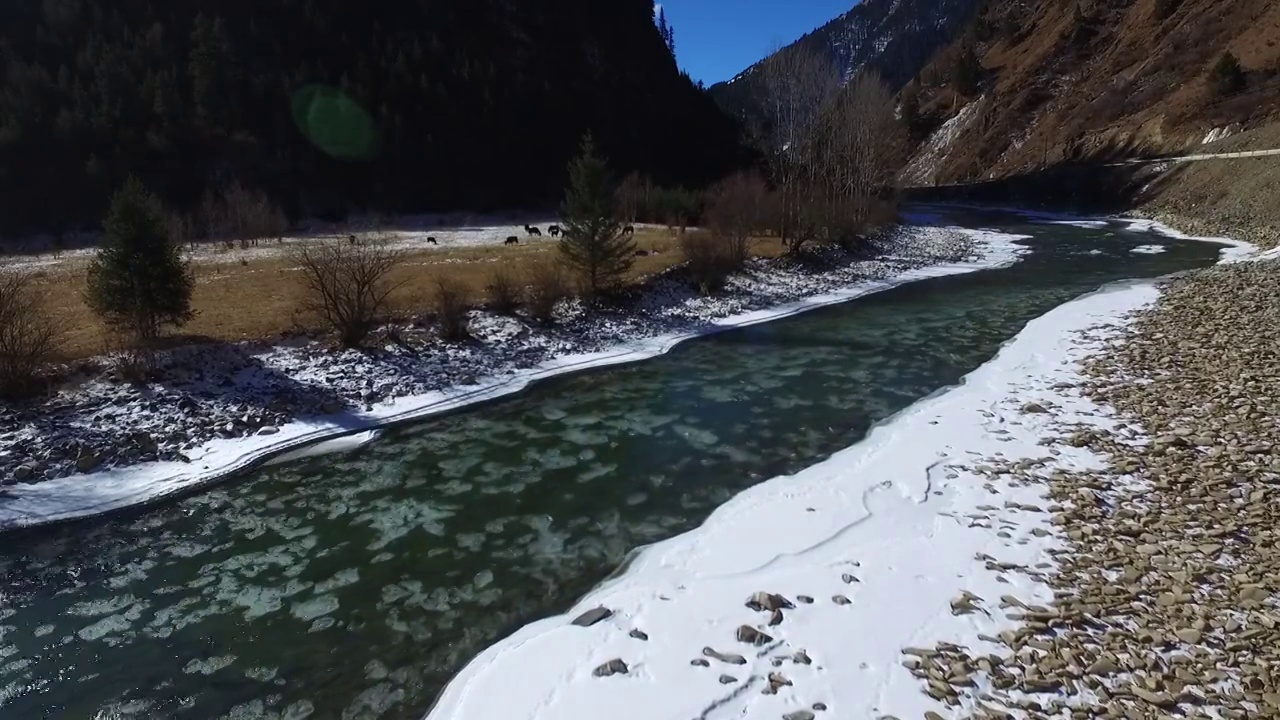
<point>138,282</point>
<point>1227,77</point>
<point>910,109</point>
<point>966,74</point>
<point>594,244</point>
<point>666,31</point>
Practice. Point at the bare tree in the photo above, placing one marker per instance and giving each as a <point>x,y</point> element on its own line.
<point>348,284</point>
<point>798,83</point>
<point>737,208</point>
<point>858,148</point>
<point>27,336</point>
<point>633,194</point>
<point>240,214</point>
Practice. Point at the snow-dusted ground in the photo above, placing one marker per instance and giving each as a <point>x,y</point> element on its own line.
<point>219,410</point>
<point>902,541</point>
<point>409,233</point>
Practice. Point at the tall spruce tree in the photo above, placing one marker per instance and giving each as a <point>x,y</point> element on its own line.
<point>667,32</point>
<point>138,282</point>
<point>594,244</point>
<point>1227,77</point>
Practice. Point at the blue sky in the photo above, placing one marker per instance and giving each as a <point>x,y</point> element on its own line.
<point>717,39</point>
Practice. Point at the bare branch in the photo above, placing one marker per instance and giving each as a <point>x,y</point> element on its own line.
<point>348,284</point>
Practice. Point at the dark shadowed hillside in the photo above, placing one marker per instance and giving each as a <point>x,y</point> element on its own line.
<point>895,38</point>
<point>474,104</point>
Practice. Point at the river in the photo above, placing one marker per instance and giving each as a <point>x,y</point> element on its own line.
<point>354,585</point>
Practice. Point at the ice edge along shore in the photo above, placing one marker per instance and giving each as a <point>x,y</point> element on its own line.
<point>77,497</point>
<point>873,547</point>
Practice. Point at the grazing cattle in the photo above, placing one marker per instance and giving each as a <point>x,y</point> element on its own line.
<point>432,241</point>
<point>513,240</point>
<point>642,253</point>
<point>628,230</point>
<point>351,239</point>
<point>554,231</point>
<point>532,231</point>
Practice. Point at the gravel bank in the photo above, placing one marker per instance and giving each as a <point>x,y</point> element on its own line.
<point>1167,575</point>
<point>233,391</point>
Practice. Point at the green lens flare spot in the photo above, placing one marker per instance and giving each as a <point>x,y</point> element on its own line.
<point>335,123</point>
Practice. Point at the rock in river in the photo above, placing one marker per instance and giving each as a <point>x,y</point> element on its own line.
<point>591,617</point>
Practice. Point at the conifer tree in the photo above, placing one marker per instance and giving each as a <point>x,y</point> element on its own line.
<point>666,31</point>
<point>138,282</point>
<point>1227,77</point>
<point>594,244</point>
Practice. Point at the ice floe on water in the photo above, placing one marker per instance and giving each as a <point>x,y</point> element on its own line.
<point>1149,250</point>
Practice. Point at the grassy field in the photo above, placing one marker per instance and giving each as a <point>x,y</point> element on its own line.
<point>257,298</point>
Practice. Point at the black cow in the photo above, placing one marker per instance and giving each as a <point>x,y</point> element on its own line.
<point>351,239</point>
<point>554,231</point>
<point>533,231</point>
<point>628,230</point>
<point>513,240</point>
<point>432,241</point>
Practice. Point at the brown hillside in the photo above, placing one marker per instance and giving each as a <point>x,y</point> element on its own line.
<point>1076,79</point>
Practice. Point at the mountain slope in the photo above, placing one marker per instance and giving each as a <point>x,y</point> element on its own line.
<point>895,38</point>
<point>1091,79</point>
<point>453,105</point>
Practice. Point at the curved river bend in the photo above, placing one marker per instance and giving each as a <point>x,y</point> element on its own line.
<point>355,585</point>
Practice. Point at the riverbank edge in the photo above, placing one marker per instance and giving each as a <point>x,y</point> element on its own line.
<point>79,497</point>
<point>467,697</point>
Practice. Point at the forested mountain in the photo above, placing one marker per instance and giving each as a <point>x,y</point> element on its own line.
<point>895,38</point>
<point>332,105</point>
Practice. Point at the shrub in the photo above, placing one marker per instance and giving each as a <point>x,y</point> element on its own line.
<point>593,243</point>
<point>547,286</point>
<point>709,260</point>
<point>27,337</point>
<point>138,282</point>
<point>736,210</point>
<point>451,310</point>
<point>347,285</point>
<point>504,292</point>
<point>1227,77</point>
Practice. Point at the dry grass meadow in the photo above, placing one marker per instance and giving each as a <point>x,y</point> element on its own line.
<point>258,298</point>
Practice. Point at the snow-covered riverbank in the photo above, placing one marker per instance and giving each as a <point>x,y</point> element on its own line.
<point>105,445</point>
<point>927,533</point>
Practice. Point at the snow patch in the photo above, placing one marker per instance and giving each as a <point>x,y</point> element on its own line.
<point>922,167</point>
<point>1216,134</point>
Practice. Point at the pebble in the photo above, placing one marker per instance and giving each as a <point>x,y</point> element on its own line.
<point>731,658</point>
<point>613,667</point>
<point>748,634</point>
